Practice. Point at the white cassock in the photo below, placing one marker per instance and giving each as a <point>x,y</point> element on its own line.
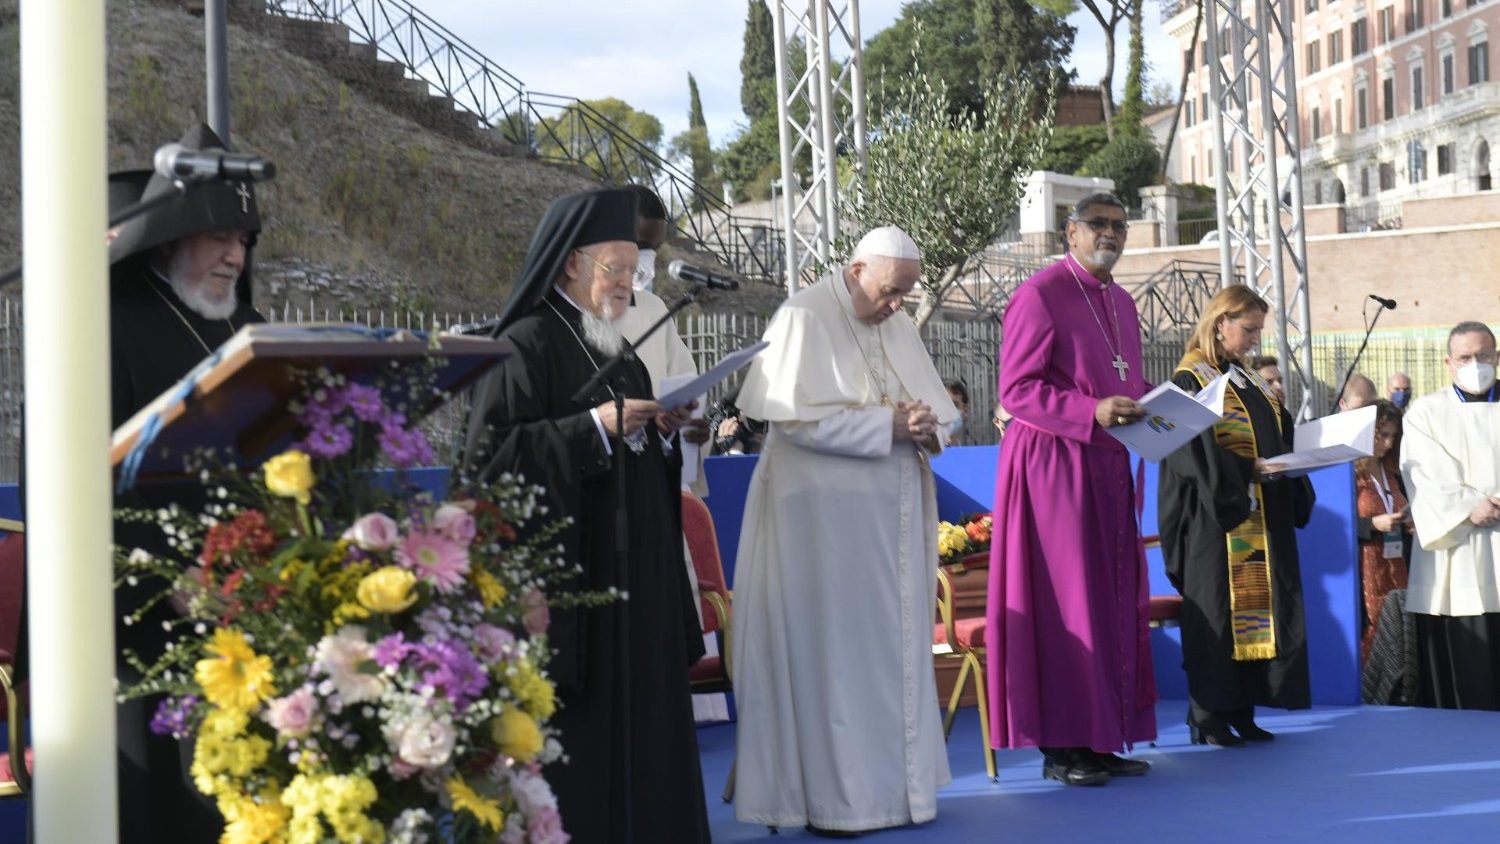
<point>1450,457</point>
<point>836,577</point>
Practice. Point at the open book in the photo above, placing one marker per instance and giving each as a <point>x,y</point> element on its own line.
<point>1173,417</point>
<point>1329,441</point>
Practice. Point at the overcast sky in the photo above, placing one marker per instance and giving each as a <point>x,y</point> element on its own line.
<point>641,51</point>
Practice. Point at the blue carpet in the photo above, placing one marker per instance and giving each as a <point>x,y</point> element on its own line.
<point>1333,774</point>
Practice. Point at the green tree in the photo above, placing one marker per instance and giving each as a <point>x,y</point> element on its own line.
<point>966,43</point>
<point>1133,109</point>
<point>1107,13</point>
<point>583,133</point>
<point>758,63</point>
<point>1070,146</point>
<point>1182,82</point>
<point>1131,160</point>
<point>693,144</point>
<point>750,161</point>
<point>951,181</point>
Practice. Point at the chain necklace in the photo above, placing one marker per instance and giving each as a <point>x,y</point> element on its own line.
<point>188,325</point>
<point>877,379</point>
<point>635,439</point>
<point>1114,345</point>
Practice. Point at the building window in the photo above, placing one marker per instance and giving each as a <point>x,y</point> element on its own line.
<point>1479,62</point>
<point>1445,159</point>
<point>1387,18</point>
<point>1312,57</point>
<point>1316,121</point>
<point>1387,176</point>
<point>1338,117</point>
<point>1447,7</point>
<point>1388,95</point>
<point>1364,181</point>
<point>1193,169</point>
<point>1312,6</point>
<point>1203,53</point>
<point>1203,105</point>
<point>1335,47</point>
<point>1416,162</point>
<point>1359,37</point>
<point>1418,90</point>
<point>1361,108</point>
<point>1415,17</point>
<point>1447,74</point>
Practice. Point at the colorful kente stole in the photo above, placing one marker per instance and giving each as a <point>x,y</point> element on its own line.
<point>1251,615</point>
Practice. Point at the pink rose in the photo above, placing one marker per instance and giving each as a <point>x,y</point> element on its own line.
<point>492,644</point>
<point>293,715</point>
<point>374,532</point>
<point>455,523</point>
<point>537,616</point>
<point>545,827</point>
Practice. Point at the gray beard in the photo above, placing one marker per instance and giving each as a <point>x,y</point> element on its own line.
<point>1105,258</point>
<point>194,297</point>
<point>602,333</point>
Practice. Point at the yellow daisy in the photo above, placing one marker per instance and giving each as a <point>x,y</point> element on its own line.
<point>235,677</point>
<point>484,809</point>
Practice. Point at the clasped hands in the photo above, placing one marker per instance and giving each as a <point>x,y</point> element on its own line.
<point>640,412</point>
<point>1486,514</point>
<point>1388,522</point>
<point>913,421</point>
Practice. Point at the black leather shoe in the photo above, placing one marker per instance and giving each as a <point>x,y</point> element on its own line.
<point>1119,766</point>
<point>1217,735</point>
<point>1249,731</point>
<point>832,833</point>
<point>1075,769</point>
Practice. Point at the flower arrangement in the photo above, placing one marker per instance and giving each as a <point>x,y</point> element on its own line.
<point>971,535</point>
<point>377,676</point>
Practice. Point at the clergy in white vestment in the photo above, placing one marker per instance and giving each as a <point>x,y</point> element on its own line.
<point>1450,457</point>
<point>835,583</point>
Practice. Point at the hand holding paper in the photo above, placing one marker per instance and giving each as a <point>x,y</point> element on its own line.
<point>1172,417</point>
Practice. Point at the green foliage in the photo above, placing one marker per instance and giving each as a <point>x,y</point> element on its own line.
<point>950,180</point>
<point>752,160</point>
<point>758,63</point>
<point>1133,109</point>
<point>146,98</point>
<point>968,44</point>
<point>1070,146</point>
<point>1131,160</point>
<point>694,145</point>
<point>578,135</point>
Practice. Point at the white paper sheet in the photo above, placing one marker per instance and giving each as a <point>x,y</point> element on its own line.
<point>669,385</point>
<point>699,386</point>
<point>1173,417</point>
<point>1340,438</point>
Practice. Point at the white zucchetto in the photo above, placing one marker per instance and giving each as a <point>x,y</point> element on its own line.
<point>887,242</point>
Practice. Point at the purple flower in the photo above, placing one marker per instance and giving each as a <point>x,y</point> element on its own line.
<point>390,650</point>
<point>405,448</point>
<point>172,716</point>
<point>328,441</point>
<point>492,643</point>
<point>365,402</point>
<point>451,669</point>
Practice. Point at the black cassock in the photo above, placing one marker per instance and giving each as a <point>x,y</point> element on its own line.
<point>151,347</point>
<point>1203,493</point>
<point>626,718</point>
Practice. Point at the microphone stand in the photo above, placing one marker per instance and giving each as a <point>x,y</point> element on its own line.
<point>129,212</point>
<point>1369,329</point>
<point>600,378</point>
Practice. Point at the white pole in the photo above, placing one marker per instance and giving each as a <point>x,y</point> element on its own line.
<point>63,154</point>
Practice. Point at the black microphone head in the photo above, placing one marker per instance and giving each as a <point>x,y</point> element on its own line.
<point>263,170</point>
<point>1384,302</point>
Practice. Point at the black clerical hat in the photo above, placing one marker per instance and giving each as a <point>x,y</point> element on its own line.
<point>206,207</point>
<point>572,221</point>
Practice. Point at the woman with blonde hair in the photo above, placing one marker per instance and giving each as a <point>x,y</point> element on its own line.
<point>1227,520</point>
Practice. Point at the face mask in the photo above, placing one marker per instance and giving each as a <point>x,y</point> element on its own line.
<point>1400,397</point>
<point>954,427</point>
<point>1475,377</point>
<point>645,269</point>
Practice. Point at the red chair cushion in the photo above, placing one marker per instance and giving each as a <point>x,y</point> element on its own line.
<point>6,775</point>
<point>703,544</point>
<point>707,670</point>
<point>970,633</point>
<point>1165,607</point>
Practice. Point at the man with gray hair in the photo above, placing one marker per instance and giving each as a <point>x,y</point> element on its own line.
<point>839,546</point>
<point>1450,457</point>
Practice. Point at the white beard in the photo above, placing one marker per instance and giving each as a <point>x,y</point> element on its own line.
<point>601,333</point>
<point>194,296</point>
<point>1106,258</point>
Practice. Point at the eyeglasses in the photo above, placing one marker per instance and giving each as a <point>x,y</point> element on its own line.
<point>1101,224</point>
<point>615,272</point>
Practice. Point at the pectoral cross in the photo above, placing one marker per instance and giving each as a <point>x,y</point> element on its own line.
<point>1121,366</point>
<point>244,194</point>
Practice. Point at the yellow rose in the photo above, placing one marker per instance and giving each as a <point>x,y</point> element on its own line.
<point>290,475</point>
<point>389,590</point>
<point>517,735</point>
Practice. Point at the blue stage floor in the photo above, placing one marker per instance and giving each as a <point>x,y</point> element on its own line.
<point>1334,774</point>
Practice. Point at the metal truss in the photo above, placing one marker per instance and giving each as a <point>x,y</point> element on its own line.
<point>1254,114</point>
<point>821,111</point>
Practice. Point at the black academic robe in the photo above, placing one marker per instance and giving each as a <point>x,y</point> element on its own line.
<point>151,348</point>
<point>626,718</point>
<point>1203,493</point>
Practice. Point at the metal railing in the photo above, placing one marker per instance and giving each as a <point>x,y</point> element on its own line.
<point>547,126</point>
<point>1373,216</point>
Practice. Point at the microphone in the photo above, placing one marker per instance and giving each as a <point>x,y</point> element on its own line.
<point>682,271</point>
<point>1384,302</point>
<point>175,161</point>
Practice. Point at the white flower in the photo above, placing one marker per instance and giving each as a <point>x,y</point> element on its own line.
<point>424,741</point>
<point>374,532</point>
<point>410,827</point>
<point>532,792</point>
<point>294,714</point>
<point>343,657</point>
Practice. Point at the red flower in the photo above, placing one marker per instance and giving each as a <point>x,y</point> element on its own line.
<point>248,532</point>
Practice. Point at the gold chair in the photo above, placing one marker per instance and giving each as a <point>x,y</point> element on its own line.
<point>963,639</point>
<point>15,779</point>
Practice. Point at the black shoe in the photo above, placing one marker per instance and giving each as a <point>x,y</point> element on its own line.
<point>1217,735</point>
<point>1119,766</point>
<point>832,833</point>
<point>1074,768</point>
<point>1250,732</point>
